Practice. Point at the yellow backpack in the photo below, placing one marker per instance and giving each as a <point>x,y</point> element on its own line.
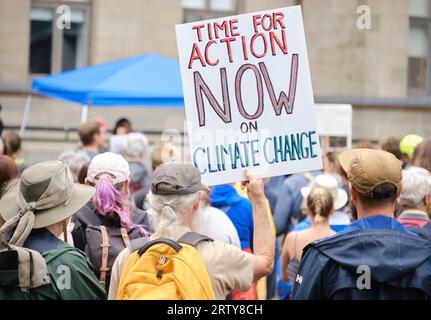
<point>166,270</point>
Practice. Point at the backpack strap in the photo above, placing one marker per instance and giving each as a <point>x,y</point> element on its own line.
<point>125,236</point>
<point>105,254</point>
<point>193,238</point>
<point>190,238</point>
<point>171,243</point>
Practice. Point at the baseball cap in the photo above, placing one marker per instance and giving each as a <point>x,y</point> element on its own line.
<point>111,163</point>
<point>367,168</point>
<point>409,143</point>
<point>176,178</point>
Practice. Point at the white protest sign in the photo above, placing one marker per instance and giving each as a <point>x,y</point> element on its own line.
<point>248,96</point>
<point>334,124</point>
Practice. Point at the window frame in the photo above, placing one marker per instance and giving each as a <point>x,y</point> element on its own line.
<point>57,34</point>
<point>207,13</point>
<point>419,20</point>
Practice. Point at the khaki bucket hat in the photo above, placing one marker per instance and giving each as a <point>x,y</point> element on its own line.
<point>44,195</point>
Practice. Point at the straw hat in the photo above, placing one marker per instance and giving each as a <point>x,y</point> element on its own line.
<point>330,183</point>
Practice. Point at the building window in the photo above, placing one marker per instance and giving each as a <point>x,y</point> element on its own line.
<point>54,46</point>
<point>195,10</point>
<point>41,39</point>
<point>74,42</point>
<point>419,60</point>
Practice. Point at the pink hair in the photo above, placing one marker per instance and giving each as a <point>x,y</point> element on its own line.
<point>109,200</point>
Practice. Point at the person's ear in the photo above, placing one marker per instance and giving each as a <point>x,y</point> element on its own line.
<point>126,189</point>
<point>196,206</point>
<point>309,214</point>
<point>352,193</point>
<point>196,203</point>
<point>427,200</point>
<point>86,182</point>
<point>399,191</point>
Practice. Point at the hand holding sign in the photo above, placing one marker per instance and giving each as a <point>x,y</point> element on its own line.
<point>254,186</point>
<point>248,96</point>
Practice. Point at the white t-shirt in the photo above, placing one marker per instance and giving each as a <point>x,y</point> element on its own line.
<point>218,226</point>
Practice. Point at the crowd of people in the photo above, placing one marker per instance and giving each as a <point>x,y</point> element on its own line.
<point>121,220</point>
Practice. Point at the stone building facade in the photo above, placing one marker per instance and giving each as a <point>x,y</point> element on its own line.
<point>380,69</point>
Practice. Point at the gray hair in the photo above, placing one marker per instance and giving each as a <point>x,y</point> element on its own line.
<point>136,145</point>
<point>167,211</point>
<point>416,185</point>
<point>75,160</point>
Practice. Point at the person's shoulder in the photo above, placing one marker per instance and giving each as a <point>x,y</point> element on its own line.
<point>140,216</point>
<point>294,178</point>
<point>219,226</point>
<point>291,235</point>
<point>65,250</point>
<point>314,258</point>
<point>123,256</point>
<point>219,252</point>
<point>293,182</point>
<point>66,256</point>
<point>244,203</point>
<point>209,245</point>
<point>216,215</point>
<point>337,239</point>
<point>85,214</point>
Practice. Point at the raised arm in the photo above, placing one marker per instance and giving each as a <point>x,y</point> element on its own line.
<point>263,239</point>
<point>285,257</point>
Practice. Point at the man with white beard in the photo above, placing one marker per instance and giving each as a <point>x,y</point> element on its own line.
<point>175,199</point>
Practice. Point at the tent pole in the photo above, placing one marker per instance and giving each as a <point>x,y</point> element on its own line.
<point>84,113</point>
<point>25,115</point>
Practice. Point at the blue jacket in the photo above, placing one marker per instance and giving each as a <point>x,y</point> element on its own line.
<point>398,260</point>
<point>289,201</point>
<point>272,190</point>
<point>284,288</point>
<point>424,232</point>
<point>239,211</point>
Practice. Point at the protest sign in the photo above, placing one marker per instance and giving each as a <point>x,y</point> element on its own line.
<point>248,95</point>
<point>334,124</point>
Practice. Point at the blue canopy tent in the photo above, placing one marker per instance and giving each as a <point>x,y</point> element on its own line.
<point>147,80</point>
